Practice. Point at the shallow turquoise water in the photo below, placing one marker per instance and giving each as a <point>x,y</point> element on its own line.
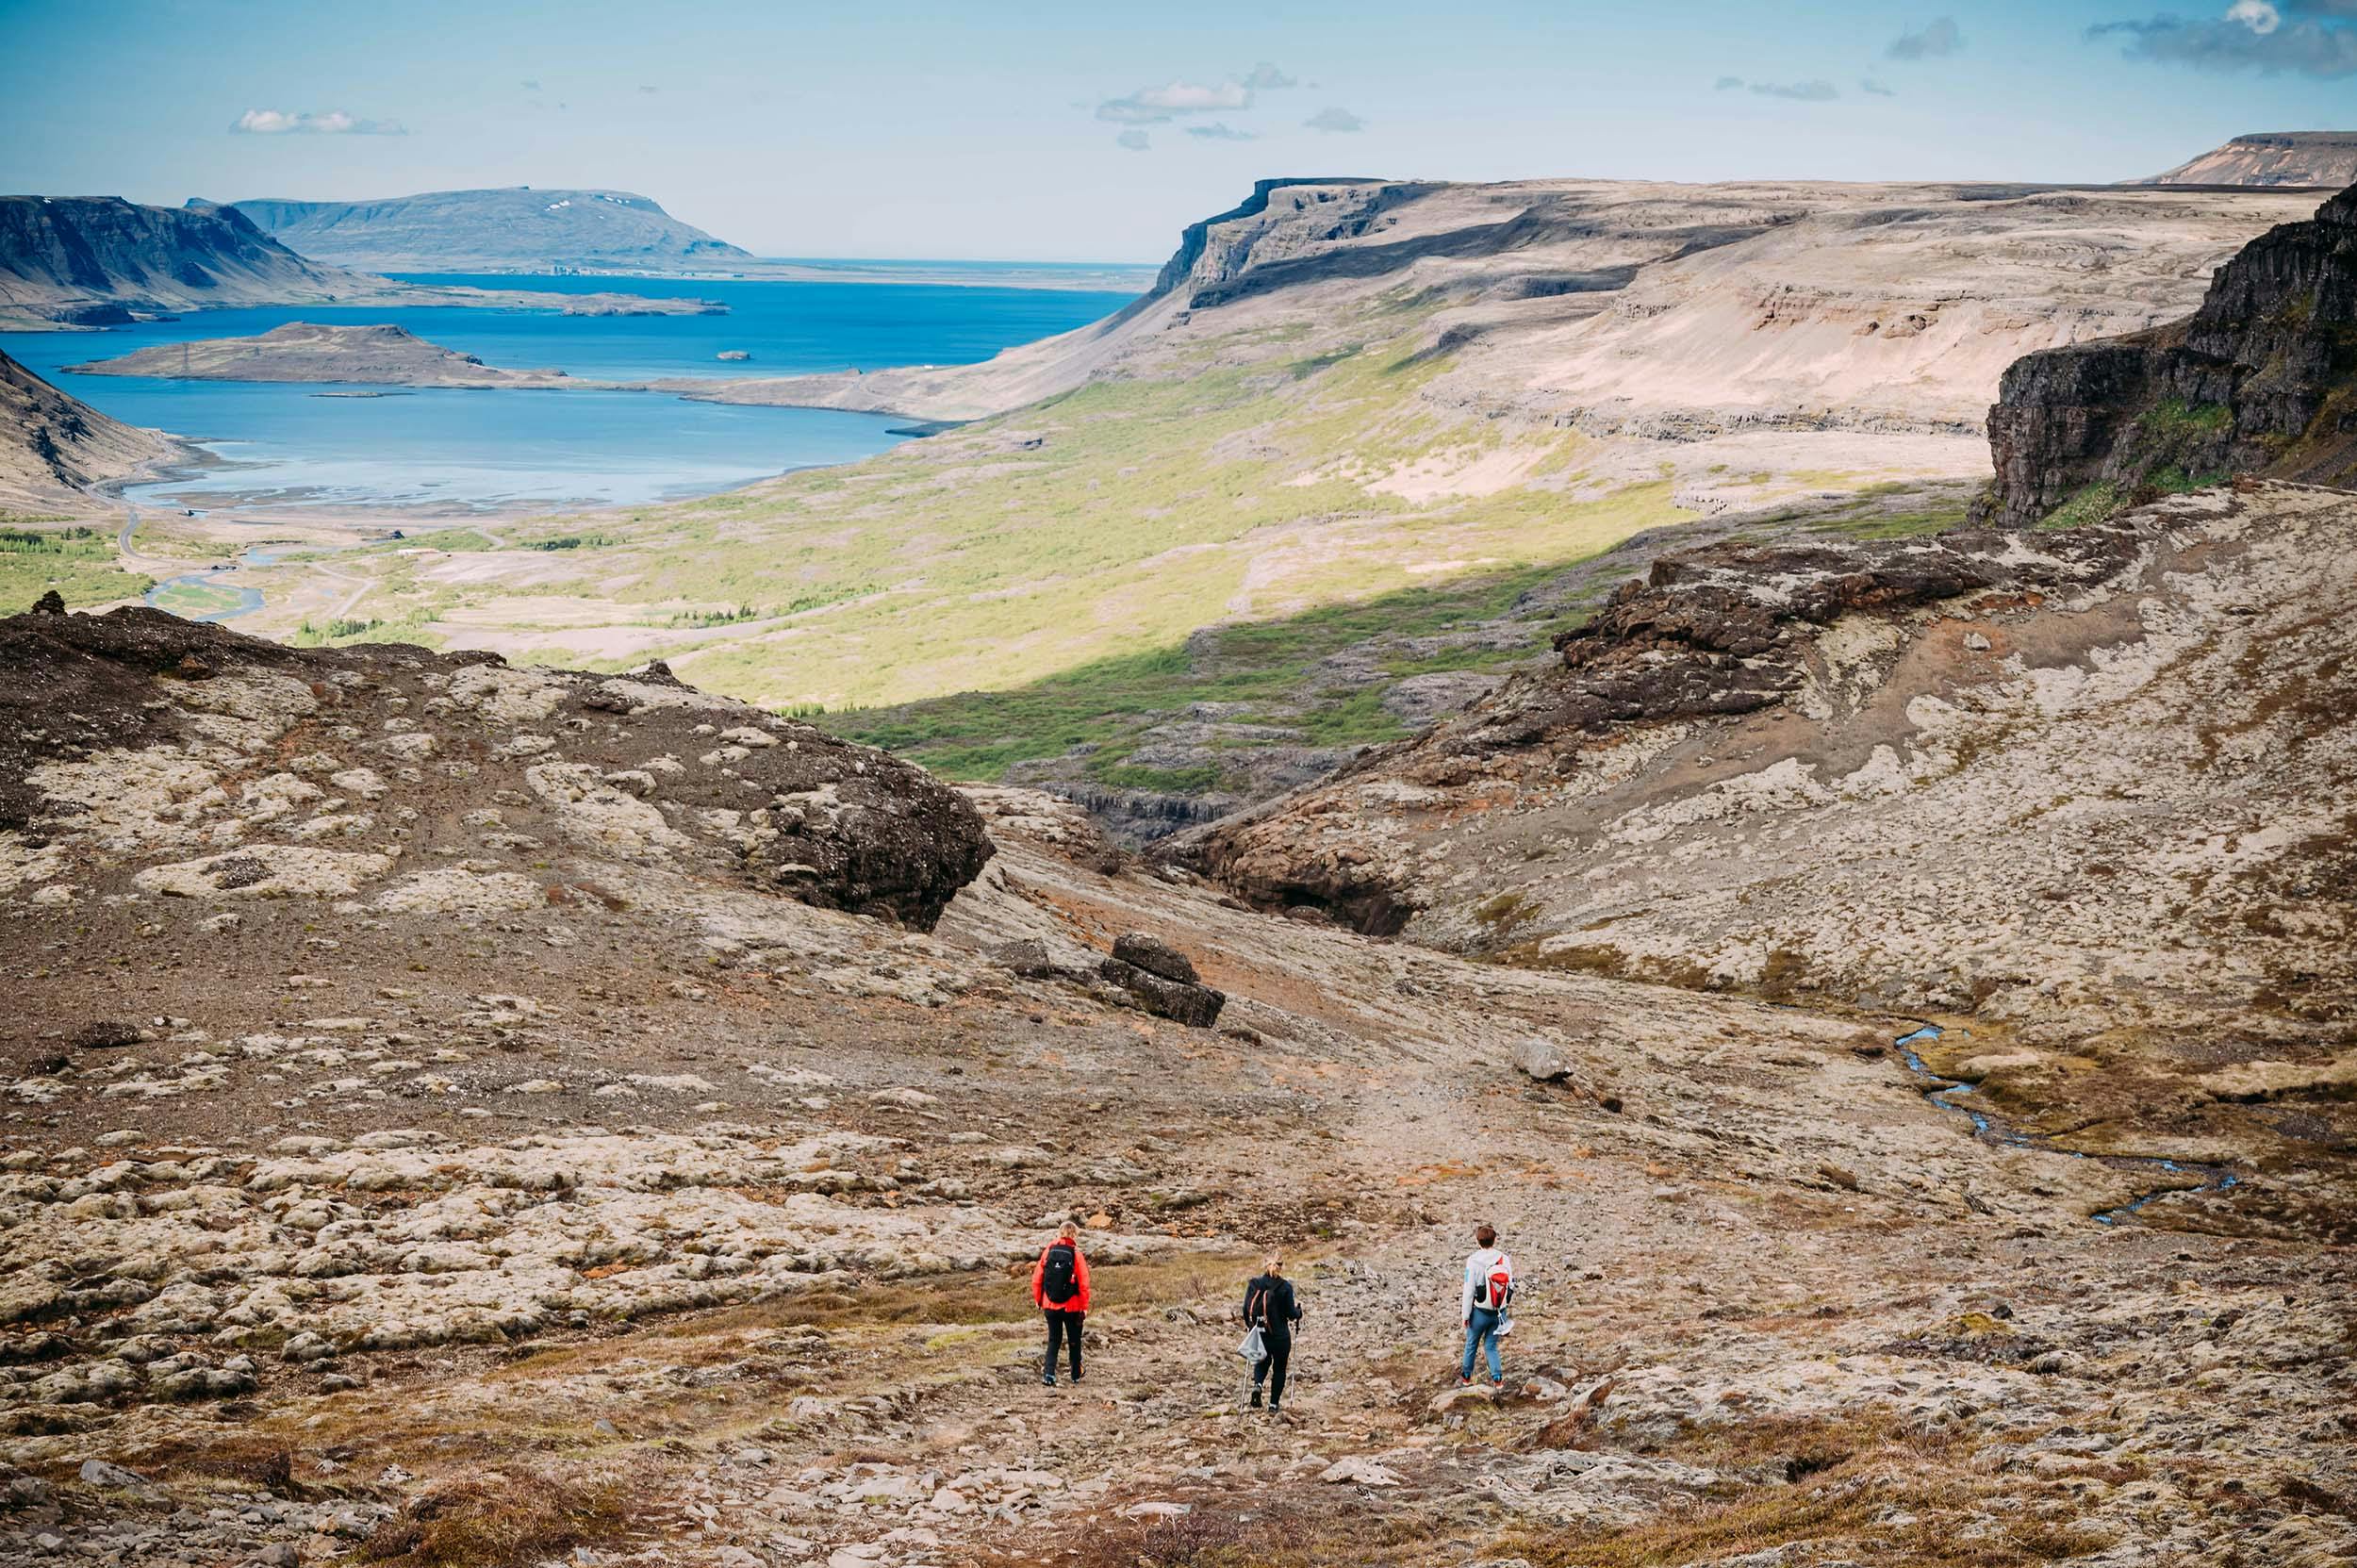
<point>487,449</point>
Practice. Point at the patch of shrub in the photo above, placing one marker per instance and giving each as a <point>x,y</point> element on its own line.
<point>498,1519</point>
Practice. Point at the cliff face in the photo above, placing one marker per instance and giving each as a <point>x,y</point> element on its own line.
<point>1234,252</point>
<point>2272,158</point>
<point>61,256</point>
<point>2261,379</point>
<point>517,229</point>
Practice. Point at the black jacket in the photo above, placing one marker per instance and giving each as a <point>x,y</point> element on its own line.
<point>1269,1301</point>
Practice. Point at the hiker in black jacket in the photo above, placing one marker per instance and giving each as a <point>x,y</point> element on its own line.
<point>1270,1304</point>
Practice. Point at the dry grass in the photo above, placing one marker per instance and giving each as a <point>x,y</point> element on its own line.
<point>499,1519</point>
<point>1878,1491</point>
<point>1854,1516</point>
<point>257,1461</point>
<point>1289,1530</point>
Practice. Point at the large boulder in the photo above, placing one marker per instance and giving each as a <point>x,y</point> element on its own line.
<point>1542,1059</point>
<point>1156,957</point>
<point>1162,979</point>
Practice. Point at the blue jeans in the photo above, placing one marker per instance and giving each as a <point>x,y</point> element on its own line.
<point>1481,1333</point>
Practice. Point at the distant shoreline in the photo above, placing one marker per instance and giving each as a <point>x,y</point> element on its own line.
<point>1080,277</point>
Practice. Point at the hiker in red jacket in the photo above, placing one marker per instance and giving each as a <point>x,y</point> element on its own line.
<point>1060,1284</point>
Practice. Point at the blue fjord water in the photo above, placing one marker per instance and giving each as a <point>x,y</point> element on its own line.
<point>489,448</point>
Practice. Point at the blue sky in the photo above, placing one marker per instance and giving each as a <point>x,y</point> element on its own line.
<point>1062,131</point>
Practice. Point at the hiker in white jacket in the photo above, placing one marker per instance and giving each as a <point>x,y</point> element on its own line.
<point>1488,1285</point>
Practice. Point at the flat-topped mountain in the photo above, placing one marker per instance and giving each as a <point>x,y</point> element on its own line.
<point>305,350</point>
<point>1631,308</point>
<point>2272,158</point>
<point>99,260</point>
<point>516,230</point>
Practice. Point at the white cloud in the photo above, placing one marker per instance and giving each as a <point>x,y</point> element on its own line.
<point>1331,119</point>
<point>1265,77</point>
<point>1936,41</point>
<point>1874,88</point>
<point>1728,84</point>
<point>1154,106</point>
<point>1137,142</point>
<point>271,121</point>
<point>2313,37</point>
<point>1220,130</point>
<point>1807,93</point>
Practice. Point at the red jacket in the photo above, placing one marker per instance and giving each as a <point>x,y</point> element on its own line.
<point>1078,1301</point>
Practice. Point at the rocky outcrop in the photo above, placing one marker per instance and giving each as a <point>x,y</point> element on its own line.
<point>1711,634</point>
<point>187,755</point>
<point>2261,379</point>
<point>1976,772</point>
<point>2327,159</point>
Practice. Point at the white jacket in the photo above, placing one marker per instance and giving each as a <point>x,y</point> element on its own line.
<point>1482,1263</point>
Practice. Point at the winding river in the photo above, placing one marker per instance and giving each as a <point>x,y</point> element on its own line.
<point>1949,1095</point>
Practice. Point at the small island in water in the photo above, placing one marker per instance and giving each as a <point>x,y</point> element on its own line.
<point>386,355</point>
<point>305,351</point>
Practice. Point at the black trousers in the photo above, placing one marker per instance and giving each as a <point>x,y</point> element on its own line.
<point>1279,1348</point>
<point>1062,1328</point>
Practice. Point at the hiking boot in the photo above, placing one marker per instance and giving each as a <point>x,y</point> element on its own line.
<point>1047,1379</point>
<point>1276,1407</point>
<point>1256,1398</point>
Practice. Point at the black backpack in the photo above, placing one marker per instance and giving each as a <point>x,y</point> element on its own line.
<point>1055,1279</point>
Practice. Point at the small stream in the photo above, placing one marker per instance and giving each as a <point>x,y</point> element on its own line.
<point>249,600</point>
<point>1949,1095</point>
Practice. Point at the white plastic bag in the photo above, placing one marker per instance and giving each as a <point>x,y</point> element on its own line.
<point>1254,1348</point>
